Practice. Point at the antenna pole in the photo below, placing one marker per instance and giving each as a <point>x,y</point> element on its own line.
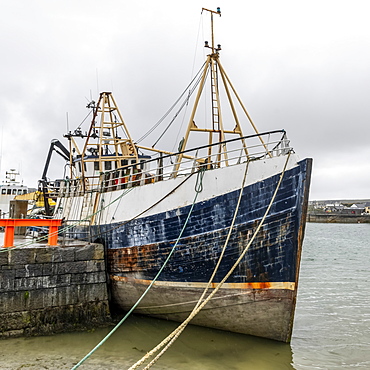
<point>212,34</point>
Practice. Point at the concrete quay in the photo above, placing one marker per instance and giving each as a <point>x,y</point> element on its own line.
<point>45,290</point>
<point>338,218</point>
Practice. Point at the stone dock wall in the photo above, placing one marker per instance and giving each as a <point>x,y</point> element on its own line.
<point>46,290</point>
<point>332,218</point>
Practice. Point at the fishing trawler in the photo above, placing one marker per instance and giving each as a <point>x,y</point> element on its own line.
<point>217,225</point>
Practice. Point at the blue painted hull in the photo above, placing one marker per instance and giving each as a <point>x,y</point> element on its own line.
<point>259,296</point>
<point>272,256</point>
<point>267,275</point>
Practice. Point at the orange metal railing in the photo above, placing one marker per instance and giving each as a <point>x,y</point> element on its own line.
<point>11,223</point>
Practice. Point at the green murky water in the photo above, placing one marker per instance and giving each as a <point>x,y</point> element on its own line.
<point>331,329</point>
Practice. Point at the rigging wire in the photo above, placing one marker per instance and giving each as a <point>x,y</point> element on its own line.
<point>121,128</point>
<point>200,25</point>
<point>192,73</point>
<point>182,123</point>
<point>88,114</point>
<point>171,108</point>
<point>179,110</point>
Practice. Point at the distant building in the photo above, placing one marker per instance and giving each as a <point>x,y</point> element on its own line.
<point>335,207</point>
<point>345,207</point>
<point>367,207</point>
<point>355,209</point>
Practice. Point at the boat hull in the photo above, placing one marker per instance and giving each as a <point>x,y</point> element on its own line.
<point>255,311</point>
<point>259,296</point>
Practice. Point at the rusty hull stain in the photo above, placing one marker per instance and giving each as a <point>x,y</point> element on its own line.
<point>128,259</point>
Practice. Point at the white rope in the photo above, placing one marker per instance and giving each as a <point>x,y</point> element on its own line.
<point>171,338</point>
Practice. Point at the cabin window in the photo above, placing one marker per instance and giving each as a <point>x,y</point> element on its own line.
<point>96,166</point>
<point>133,161</point>
<point>14,191</point>
<point>142,164</point>
<point>3,191</point>
<point>108,165</point>
<point>19,191</point>
<point>124,162</point>
<point>8,191</point>
<point>24,191</point>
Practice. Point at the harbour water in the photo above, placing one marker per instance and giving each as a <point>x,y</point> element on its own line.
<point>331,328</point>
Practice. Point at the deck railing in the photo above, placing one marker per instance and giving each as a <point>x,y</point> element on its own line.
<point>164,167</point>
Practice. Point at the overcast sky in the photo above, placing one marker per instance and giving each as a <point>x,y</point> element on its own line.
<point>299,65</point>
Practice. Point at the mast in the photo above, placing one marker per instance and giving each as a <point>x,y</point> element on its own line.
<point>108,141</point>
<point>214,68</point>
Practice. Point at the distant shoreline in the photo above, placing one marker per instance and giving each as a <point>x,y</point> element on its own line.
<point>343,219</point>
<point>345,200</point>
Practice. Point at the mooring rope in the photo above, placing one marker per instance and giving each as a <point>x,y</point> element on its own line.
<point>62,230</point>
<point>65,228</point>
<point>171,338</point>
<point>167,342</point>
<point>198,189</point>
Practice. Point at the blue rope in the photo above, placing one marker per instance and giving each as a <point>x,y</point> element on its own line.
<point>198,189</point>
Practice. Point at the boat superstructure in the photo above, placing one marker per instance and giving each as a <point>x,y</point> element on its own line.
<point>9,189</point>
<point>224,219</point>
